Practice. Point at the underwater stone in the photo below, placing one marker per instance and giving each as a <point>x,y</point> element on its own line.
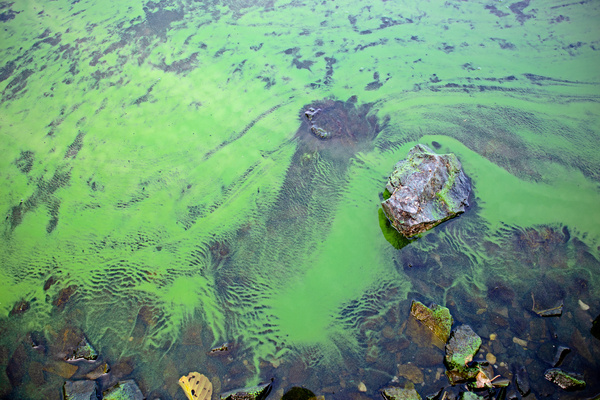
<point>426,189</point>
<point>595,331</point>
<point>435,317</point>
<point>80,390</point>
<point>400,394</point>
<point>460,350</point>
<point>560,355</point>
<point>565,380</point>
<point>83,351</point>
<point>124,390</point>
<point>298,393</point>
<point>522,380</point>
<point>259,392</point>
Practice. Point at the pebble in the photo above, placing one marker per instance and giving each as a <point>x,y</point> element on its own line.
<point>493,336</point>
<point>490,358</point>
<point>583,306</point>
<point>520,342</point>
<point>362,387</point>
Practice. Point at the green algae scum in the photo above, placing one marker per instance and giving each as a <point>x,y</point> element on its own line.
<point>163,193</point>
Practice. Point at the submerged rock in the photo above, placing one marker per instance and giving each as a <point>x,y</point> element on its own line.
<point>435,317</point>
<point>124,390</point>
<point>595,331</point>
<point>400,394</point>
<point>522,380</point>
<point>560,355</point>
<point>298,393</point>
<point>425,190</point>
<point>259,392</point>
<point>565,380</point>
<point>80,390</point>
<point>83,351</point>
<point>460,350</point>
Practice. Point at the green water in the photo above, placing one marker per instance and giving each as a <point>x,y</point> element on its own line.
<point>153,156</point>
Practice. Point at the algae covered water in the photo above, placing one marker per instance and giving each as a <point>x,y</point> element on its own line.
<point>164,195</point>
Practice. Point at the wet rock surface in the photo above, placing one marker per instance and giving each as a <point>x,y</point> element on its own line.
<point>259,392</point>
<point>565,380</point>
<point>425,190</point>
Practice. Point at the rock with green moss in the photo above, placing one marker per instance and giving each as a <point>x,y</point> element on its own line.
<point>259,392</point>
<point>468,396</point>
<point>124,390</point>
<point>400,394</point>
<point>565,380</point>
<point>426,190</point>
<point>460,350</point>
<point>434,317</point>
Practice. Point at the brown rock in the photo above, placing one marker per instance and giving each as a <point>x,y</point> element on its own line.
<point>411,372</point>
<point>61,368</point>
<point>36,373</point>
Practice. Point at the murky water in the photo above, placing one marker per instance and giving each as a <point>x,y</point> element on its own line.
<point>163,194</point>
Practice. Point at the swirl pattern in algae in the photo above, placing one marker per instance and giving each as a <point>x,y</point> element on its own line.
<point>161,194</point>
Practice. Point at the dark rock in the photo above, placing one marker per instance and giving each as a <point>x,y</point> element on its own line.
<point>83,351</point>
<point>426,190</point>
<point>221,350</point>
<point>544,311</point>
<point>596,328</point>
<point>434,317</point>
<point>298,393</point>
<point>561,353</point>
<point>124,390</point>
<point>522,380</point>
<point>259,392</point>
<point>80,390</point>
<point>460,350</point>
<point>19,308</point>
<point>400,394</point>
<point>565,380</point>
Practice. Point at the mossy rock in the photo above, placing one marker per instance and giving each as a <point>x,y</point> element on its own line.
<point>435,317</point>
<point>460,350</point>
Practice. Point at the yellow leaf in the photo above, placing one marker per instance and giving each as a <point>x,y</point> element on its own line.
<point>196,386</point>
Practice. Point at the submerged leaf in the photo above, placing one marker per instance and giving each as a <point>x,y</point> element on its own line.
<point>196,386</point>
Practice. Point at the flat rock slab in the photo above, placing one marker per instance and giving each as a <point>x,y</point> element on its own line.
<point>425,190</point>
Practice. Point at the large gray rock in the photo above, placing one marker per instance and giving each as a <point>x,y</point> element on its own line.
<point>426,189</point>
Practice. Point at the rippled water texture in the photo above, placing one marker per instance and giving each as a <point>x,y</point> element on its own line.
<point>163,192</point>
